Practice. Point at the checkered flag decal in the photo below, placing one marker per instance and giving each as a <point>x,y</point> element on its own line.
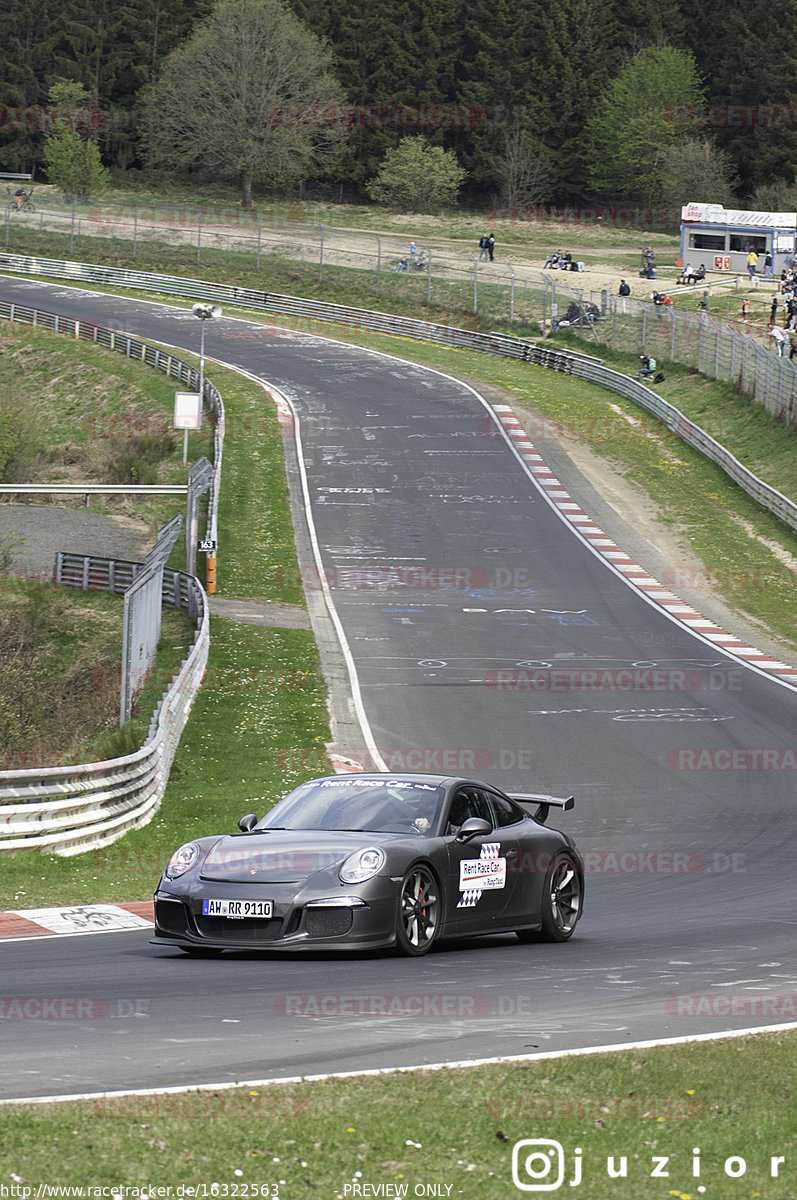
<point>472,896</point>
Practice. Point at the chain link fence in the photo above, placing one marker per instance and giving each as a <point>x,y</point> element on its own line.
<point>739,351</point>
<point>719,348</point>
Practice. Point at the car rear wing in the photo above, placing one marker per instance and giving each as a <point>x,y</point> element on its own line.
<point>538,804</point>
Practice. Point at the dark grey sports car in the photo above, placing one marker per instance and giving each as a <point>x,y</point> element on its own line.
<point>367,861</point>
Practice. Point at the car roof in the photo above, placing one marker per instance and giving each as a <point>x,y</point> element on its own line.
<point>406,777</point>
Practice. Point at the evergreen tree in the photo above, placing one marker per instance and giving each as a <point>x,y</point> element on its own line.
<point>576,57</point>
<point>755,66</point>
<point>650,23</point>
<point>28,32</point>
<point>495,58</point>
<point>399,66</point>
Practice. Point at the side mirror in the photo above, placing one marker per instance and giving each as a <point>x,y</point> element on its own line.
<point>473,827</point>
<point>247,823</point>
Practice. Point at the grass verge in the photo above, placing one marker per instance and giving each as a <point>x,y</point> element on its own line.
<point>263,692</point>
<point>685,1121</point>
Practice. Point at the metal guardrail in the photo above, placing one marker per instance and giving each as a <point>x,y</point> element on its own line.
<point>770,499</point>
<point>94,489</point>
<point>69,810</point>
<point>567,361</point>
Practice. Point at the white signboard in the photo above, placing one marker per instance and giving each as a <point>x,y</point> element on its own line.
<point>187,410</point>
<point>482,874</point>
<point>715,214</point>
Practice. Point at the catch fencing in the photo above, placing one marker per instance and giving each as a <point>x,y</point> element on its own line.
<point>718,347</point>
<point>504,345</point>
<point>724,349</point>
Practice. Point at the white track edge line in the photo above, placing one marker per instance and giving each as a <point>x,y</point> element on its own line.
<point>351,667</point>
<point>375,1072</point>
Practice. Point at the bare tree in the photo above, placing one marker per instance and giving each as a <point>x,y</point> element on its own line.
<point>250,93</point>
<point>697,168</point>
<point>522,168</point>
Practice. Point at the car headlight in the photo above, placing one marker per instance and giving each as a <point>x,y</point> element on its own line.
<point>362,865</point>
<point>182,860</point>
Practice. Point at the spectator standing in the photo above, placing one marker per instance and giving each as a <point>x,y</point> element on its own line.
<point>623,291</point>
<point>661,300</point>
<point>490,245</point>
<point>781,338</point>
<point>483,247</point>
<point>768,265</point>
<point>752,261</point>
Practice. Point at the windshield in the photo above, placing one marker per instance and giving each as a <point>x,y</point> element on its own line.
<point>360,803</point>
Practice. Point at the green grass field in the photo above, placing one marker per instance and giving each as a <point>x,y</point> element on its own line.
<point>708,1119</point>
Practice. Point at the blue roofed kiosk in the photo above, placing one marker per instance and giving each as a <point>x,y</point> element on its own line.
<point>722,238</point>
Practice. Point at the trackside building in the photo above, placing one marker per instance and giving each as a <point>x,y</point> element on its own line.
<point>721,238</point>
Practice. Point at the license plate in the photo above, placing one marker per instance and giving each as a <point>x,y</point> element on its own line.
<point>237,908</point>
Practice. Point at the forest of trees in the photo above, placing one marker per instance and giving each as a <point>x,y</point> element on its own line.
<point>575,101</point>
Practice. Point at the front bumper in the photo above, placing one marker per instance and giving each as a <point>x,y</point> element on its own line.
<point>303,922</point>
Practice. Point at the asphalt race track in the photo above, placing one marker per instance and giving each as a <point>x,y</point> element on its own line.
<point>472,613</point>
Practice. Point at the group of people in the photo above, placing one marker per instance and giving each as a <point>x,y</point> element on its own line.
<point>752,262</point>
<point>416,261</point>
<point>785,333</point>
<point>648,263</point>
<point>689,276</point>
<point>486,247</point>
<point>559,260</point>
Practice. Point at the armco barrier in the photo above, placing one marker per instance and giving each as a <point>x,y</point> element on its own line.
<point>500,344</point>
<point>68,810</point>
<point>160,360</point>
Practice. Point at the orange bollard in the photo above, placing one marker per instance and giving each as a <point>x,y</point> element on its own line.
<point>210,574</point>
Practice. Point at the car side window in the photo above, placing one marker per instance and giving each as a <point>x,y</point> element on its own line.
<point>468,802</point>
<point>506,813</point>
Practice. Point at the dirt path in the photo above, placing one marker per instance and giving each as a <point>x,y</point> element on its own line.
<point>356,247</point>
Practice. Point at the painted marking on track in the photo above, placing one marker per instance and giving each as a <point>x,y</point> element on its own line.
<point>623,564</point>
<point>83,918</point>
